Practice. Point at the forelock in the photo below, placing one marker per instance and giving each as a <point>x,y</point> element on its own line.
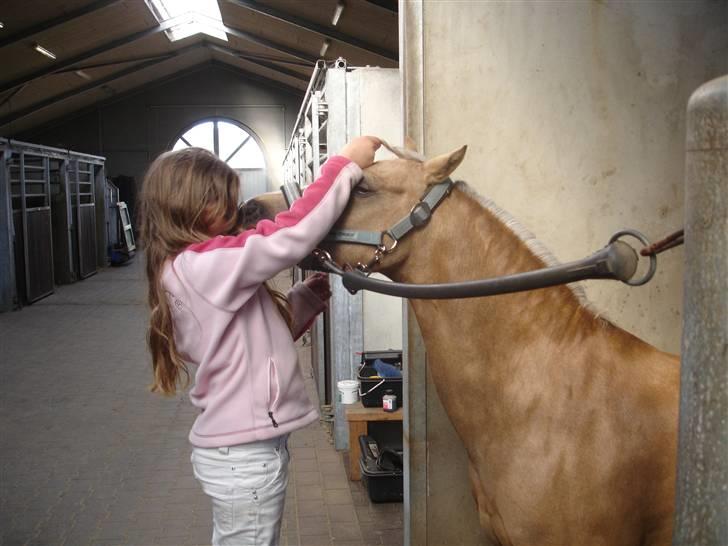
<point>403,153</point>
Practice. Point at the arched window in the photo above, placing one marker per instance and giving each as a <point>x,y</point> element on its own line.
<point>227,140</point>
<point>235,145</point>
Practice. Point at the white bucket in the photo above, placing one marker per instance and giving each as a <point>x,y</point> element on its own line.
<point>348,391</point>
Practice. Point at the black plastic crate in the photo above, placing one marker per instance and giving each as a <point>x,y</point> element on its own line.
<point>381,471</point>
<point>374,388</point>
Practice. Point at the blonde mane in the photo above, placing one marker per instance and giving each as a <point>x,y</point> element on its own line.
<point>536,247</point>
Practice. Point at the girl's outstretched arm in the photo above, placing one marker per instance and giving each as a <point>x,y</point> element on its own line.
<point>226,270</point>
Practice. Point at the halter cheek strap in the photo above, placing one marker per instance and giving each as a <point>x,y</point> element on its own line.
<point>418,216</point>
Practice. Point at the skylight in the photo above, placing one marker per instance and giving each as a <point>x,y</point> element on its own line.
<point>205,17</point>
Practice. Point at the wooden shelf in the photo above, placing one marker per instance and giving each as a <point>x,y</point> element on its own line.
<point>359,417</point>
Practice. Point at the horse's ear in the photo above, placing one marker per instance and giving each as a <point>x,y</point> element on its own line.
<point>439,168</point>
<point>410,144</point>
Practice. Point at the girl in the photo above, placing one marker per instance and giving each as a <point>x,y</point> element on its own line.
<point>210,307</point>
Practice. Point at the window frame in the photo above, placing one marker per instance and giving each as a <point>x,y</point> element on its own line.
<point>216,140</point>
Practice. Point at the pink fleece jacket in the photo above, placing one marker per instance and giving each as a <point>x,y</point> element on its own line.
<point>248,385</point>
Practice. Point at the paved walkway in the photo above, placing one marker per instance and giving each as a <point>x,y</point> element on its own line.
<point>89,456</point>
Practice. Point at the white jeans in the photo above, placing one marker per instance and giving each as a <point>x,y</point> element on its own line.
<point>247,485</point>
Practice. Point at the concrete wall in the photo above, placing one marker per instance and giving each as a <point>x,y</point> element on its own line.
<point>574,113</point>
<point>134,130</point>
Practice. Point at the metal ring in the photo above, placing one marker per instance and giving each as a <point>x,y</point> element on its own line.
<point>383,246</point>
<point>645,241</point>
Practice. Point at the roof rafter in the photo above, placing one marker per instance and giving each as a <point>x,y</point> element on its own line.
<point>257,61</point>
<point>112,63</point>
<point>385,4</point>
<point>40,105</point>
<point>321,30</point>
<point>93,52</point>
<point>239,33</point>
<point>56,21</point>
<point>258,78</point>
<point>29,133</point>
<point>169,23</point>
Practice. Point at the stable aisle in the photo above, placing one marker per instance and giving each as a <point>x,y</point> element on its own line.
<point>89,456</point>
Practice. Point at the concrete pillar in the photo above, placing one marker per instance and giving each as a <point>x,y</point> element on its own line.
<point>702,485</point>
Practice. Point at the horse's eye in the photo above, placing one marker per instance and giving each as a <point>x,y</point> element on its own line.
<point>362,190</point>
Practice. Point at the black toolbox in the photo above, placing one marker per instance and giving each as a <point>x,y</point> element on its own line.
<point>374,388</point>
<point>381,471</point>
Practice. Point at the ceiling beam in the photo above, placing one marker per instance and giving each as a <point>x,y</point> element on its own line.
<point>239,33</point>
<point>11,95</point>
<point>112,63</point>
<point>45,103</point>
<point>56,21</point>
<point>258,78</point>
<point>390,5</point>
<point>257,61</point>
<point>280,60</point>
<point>321,30</point>
<point>31,132</point>
<point>56,66</point>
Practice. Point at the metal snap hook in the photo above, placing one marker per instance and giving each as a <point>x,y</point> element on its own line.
<point>645,241</point>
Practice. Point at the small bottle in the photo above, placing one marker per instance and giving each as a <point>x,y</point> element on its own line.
<point>389,401</point>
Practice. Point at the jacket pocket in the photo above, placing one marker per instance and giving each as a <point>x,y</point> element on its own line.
<point>274,391</point>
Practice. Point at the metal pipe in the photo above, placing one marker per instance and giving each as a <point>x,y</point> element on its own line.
<point>616,261</point>
<point>317,71</point>
<point>701,512</point>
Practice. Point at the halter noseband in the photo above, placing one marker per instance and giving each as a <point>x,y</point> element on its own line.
<point>418,216</point>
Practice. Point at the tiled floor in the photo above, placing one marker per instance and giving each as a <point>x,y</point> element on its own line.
<point>89,456</point>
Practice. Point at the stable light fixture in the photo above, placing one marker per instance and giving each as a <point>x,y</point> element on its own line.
<point>2,25</point>
<point>82,74</point>
<point>43,51</point>
<point>337,13</point>
<point>205,17</point>
<point>325,47</point>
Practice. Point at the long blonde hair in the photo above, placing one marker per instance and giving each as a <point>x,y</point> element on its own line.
<point>188,196</point>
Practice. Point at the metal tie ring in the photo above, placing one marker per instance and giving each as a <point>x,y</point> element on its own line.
<point>653,258</point>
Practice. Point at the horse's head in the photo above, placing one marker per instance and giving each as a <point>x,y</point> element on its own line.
<point>387,193</point>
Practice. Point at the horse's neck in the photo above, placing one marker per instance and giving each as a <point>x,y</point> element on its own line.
<point>464,241</point>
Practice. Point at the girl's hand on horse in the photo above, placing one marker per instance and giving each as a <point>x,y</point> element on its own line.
<point>318,283</point>
<point>361,150</point>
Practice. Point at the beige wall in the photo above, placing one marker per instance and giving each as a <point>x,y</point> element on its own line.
<point>574,114</point>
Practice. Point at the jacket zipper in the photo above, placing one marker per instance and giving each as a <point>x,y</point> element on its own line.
<point>271,403</point>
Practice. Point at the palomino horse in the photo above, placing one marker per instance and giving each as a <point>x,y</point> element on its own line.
<point>569,422</point>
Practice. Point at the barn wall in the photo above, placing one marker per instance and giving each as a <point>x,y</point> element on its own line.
<point>574,114</point>
<point>134,130</point>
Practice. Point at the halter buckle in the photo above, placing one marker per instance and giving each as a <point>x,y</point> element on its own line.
<point>420,214</point>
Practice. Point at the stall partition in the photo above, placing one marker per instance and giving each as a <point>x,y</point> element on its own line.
<point>53,226</point>
<point>343,102</point>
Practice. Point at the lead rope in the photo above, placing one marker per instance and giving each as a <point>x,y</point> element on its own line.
<point>671,241</point>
